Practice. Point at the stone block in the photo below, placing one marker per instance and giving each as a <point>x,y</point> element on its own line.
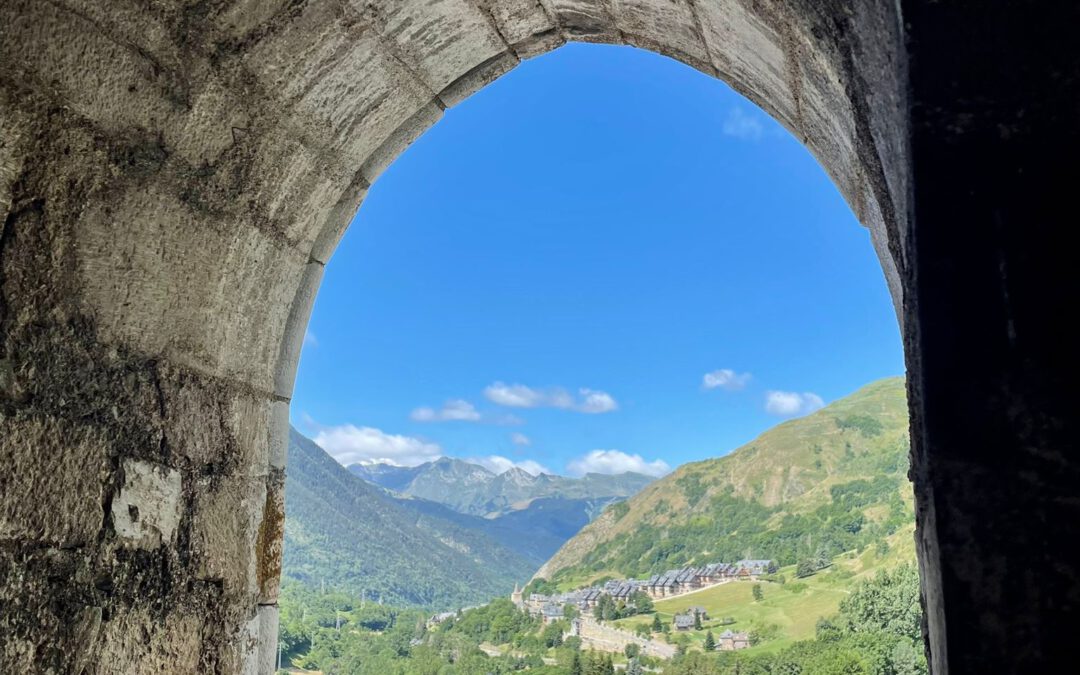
<point>400,139</point>
<point>240,17</point>
<point>292,339</point>
<point>138,641</point>
<point>124,89</point>
<point>478,78</point>
<point>341,83</point>
<point>586,20</point>
<point>441,40</point>
<point>748,54</point>
<point>185,283</point>
<point>227,512</point>
<point>670,27</point>
<point>518,20</point>
<point>53,480</point>
<point>213,427</point>
<point>279,434</point>
<point>146,511</point>
<point>338,219</point>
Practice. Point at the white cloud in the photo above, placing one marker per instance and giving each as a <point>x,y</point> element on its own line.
<point>520,396</point>
<point>616,461</point>
<point>500,464</point>
<point>742,126</point>
<point>726,379</point>
<point>596,402</point>
<point>514,395</point>
<point>310,340</point>
<point>519,439</point>
<point>455,409</point>
<point>791,403</point>
<point>349,444</point>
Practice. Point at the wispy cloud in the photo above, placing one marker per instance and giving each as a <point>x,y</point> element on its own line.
<point>726,379</point>
<point>520,439</point>
<point>453,410</point>
<point>738,124</point>
<point>349,444</point>
<point>614,462</point>
<point>310,340</point>
<point>791,403</point>
<point>500,464</point>
<point>590,401</point>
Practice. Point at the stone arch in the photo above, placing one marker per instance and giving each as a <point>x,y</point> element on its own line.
<point>173,179</point>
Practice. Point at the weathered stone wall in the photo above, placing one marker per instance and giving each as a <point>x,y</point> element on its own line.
<point>174,175</point>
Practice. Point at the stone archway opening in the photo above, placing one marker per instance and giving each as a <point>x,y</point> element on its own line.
<point>167,221</point>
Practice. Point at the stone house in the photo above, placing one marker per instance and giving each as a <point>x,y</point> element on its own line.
<point>683,622</point>
<point>731,641</point>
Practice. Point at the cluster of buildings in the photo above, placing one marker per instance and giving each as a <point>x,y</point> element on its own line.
<point>666,585</point>
<point>676,582</point>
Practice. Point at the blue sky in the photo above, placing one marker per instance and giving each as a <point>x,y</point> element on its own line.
<point>604,260</point>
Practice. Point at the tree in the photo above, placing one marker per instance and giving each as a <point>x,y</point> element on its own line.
<point>634,667</point>
<point>710,642</point>
<point>805,568</point>
<point>643,604</point>
<point>657,625</point>
<point>759,595</point>
<point>575,664</point>
<point>697,621</point>
<point>552,635</point>
<point>632,649</point>
<point>889,602</point>
<point>609,665</point>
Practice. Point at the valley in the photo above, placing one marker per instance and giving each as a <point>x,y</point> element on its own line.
<point>816,511</point>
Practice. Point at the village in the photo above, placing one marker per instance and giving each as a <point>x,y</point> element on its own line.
<point>627,593</point>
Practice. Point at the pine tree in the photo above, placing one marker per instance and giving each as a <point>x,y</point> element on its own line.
<point>710,642</point>
<point>697,621</point>
<point>634,668</point>
<point>609,665</point>
<point>758,593</point>
<point>575,664</point>
<point>656,625</point>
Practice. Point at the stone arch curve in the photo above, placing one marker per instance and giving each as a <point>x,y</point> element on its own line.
<point>173,179</point>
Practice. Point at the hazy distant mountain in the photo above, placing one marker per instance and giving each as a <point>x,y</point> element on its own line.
<point>472,489</point>
<point>353,536</point>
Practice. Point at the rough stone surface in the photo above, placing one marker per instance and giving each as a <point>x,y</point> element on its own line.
<point>994,402</point>
<point>174,175</point>
<point>146,509</point>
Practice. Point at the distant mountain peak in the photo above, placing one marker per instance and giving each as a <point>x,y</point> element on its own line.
<point>475,490</point>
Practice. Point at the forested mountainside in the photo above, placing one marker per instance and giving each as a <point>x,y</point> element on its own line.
<point>807,489</point>
<point>349,535</point>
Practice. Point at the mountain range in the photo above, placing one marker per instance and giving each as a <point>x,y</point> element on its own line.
<point>379,535</point>
<point>803,491</point>
<point>472,489</point>
<point>347,534</point>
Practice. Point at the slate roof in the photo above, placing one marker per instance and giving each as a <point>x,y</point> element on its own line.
<point>684,620</point>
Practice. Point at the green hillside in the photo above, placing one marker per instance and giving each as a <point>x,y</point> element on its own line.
<point>806,490</point>
<point>788,611</point>
<point>346,534</point>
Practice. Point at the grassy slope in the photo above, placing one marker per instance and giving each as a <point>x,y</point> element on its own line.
<point>789,468</point>
<point>795,612</point>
